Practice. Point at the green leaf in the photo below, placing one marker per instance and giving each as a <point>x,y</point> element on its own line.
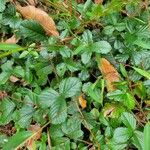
<point>122,135</point>
<point>147,136</point>
<point>102,47</point>
<point>87,37</point>
<point>24,116</point>
<point>128,120</point>
<point>127,99</point>
<point>2,5</point>
<point>55,131</point>
<point>116,146</point>
<point>17,140</point>
<point>142,43</point>
<point>61,69</point>
<point>138,140</point>
<point>86,57</point>
<point>32,30</point>
<point>61,143</point>
<point>70,87</point>
<point>84,75</point>
<point>108,30</point>
<point>72,128</point>
<point>65,52</point>
<point>7,66</point>
<point>7,108</point>
<point>4,76</point>
<point>58,110</point>
<point>23,54</point>
<point>123,70</point>
<point>19,71</point>
<point>87,5</point>
<point>142,72</point>
<point>48,97</point>
<point>120,26</point>
<point>94,93</point>
<point>9,47</point>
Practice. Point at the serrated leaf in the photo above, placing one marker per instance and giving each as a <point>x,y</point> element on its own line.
<point>128,120</point>
<point>115,146</point>
<point>7,108</point>
<point>55,131</point>
<point>142,72</point>
<point>61,143</point>
<point>122,135</point>
<point>142,43</point>
<point>125,97</point>
<point>2,5</point>
<point>85,57</point>
<point>70,87</point>
<point>4,76</point>
<point>19,71</point>
<point>72,128</point>
<point>87,37</point>
<point>17,140</point>
<point>47,97</point>
<point>58,111</point>
<point>94,94</point>
<point>102,47</point>
<point>25,116</point>
<point>123,70</point>
<point>32,30</point>
<point>129,101</point>
<point>137,140</point>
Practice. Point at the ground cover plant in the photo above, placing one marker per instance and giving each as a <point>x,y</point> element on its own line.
<point>74,75</point>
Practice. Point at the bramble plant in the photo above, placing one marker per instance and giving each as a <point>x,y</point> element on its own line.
<point>75,75</point>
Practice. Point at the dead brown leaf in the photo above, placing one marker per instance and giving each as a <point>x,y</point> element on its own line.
<point>109,73</point>
<point>82,102</point>
<point>35,128</point>
<point>31,12</point>
<point>147,102</point>
<point>80,1</point>
<point>8,129</point>
<point>13,79</point>
<point>109,111</point>
<point>12,40</point>
<point>98,1</point>
<point>32,2</point>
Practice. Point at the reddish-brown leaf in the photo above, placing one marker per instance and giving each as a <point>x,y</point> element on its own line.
<point>109,73</point>
<point>31,12</point>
